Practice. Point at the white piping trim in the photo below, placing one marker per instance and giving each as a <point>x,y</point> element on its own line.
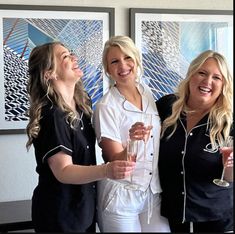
<point>185,143</point>
<point>54,149</point>
<point>186,137</point>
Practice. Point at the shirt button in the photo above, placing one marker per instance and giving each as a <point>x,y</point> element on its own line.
<point>150,173</point>
<point>151,154</point>
<point>93,186</point>
<point>87,147</point>
<point>182,193</point>
<point>182,152</point>
<point>190,133</point>
<point>151,136</point>
<point>181,172</point>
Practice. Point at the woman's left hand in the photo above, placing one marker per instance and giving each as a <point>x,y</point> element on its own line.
<point>227,153</point>
<point>228,162</point>
<point>138,131</point>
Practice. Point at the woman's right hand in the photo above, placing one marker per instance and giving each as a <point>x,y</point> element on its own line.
<point>119,169</point>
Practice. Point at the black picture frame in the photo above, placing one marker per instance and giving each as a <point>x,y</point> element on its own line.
<point>52,21</point>
<point>169,39</point>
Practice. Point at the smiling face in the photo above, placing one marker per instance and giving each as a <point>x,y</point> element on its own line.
<point>67,68</point>
<point>120,67</point>
<point>205,85</point>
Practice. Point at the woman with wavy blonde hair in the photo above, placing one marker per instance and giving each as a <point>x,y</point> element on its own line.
<point>220,113</point>
<point>61,132</point>
<point>195,122</point>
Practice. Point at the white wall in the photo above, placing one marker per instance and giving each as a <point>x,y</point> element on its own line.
<point>17,166</point>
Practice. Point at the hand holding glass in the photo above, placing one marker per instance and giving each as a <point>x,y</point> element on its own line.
<point>226,152</point>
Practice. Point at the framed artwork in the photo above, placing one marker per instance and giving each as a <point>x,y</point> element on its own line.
<point>170,39</point>
<point>22,27</point>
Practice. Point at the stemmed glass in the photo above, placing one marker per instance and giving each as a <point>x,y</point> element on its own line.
<point>132,150</point>
<point>228,143</point>
<point>147,120</point>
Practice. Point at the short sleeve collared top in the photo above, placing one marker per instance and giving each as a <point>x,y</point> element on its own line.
<point>187,167</point>
<point>63,207</point>
<point>113,118</point>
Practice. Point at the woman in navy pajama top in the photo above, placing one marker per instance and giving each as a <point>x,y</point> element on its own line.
<point>61,132</point>
<point>195,120</point>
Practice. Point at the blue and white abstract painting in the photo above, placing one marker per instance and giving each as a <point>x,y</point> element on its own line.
<point>84,35</point>
<point>169,42</point>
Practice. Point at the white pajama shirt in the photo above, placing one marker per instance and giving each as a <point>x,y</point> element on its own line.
<point>113,118</point>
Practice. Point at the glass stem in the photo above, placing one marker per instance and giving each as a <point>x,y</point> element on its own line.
<point>222,176</point>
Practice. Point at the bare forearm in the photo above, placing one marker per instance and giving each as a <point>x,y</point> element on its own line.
<point>76,174</point>
<point>115,156</point>
<point>112,150</point>
<point>66,172</point>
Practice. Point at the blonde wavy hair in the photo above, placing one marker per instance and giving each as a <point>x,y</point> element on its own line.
<point>220,115</point>
<point>127,46</point>
<point>41,91</point>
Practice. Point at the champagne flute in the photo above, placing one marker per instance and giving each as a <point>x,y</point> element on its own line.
<point>227,143</point>
<point>132,150</point>
<point>147,120</point>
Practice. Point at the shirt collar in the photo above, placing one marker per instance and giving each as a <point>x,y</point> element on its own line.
<point>129,106</point>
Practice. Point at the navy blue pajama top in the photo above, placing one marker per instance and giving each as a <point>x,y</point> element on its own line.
<point>57,206</point>
<point>187,167</point>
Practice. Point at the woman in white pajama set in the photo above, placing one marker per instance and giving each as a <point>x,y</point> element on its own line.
<point>121,208</point>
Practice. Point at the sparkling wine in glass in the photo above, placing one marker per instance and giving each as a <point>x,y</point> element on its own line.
<point>132,150</point>
<point>227,144</point>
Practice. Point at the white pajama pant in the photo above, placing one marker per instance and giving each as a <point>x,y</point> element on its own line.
<point>125,210</point>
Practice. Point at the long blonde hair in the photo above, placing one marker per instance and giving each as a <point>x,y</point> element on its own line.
<point>41,90</point>
<point>221,114</point>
